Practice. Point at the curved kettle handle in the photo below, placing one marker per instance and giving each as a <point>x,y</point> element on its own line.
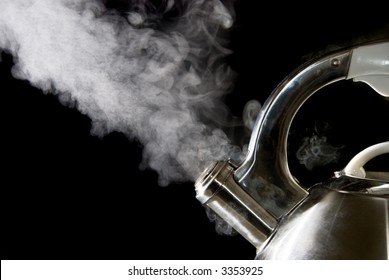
<point>266,165</point>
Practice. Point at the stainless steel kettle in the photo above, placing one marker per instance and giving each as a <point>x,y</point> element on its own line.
<point>346,217</point>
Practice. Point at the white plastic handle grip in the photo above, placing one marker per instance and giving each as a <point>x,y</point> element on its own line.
<point>370,64</point>
<point>355,166</point>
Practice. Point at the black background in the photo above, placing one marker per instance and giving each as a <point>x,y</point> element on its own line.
<point>69,195</point>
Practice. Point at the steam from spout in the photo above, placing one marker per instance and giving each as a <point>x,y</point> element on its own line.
<point>250,113</point>
<point>221,226</point>
<point>158,82</point>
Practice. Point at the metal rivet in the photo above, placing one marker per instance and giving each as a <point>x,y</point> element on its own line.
<point>335,62</point>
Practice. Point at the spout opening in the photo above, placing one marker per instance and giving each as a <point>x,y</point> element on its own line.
<point>205,177</point>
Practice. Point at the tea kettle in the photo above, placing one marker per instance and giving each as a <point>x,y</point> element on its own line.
<point>346,217</point>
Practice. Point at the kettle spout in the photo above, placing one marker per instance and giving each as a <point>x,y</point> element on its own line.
<point>217,189</point>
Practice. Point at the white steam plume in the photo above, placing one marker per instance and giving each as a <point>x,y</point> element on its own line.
<point>157,83</point>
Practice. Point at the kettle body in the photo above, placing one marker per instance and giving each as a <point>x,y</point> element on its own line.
<point>346,217</point>
<point>332,224</point>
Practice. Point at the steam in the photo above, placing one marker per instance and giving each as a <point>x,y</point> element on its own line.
<point>250,113</point>
<point>221,226</point>
<point>157,82</point>
<point>316,151</point>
